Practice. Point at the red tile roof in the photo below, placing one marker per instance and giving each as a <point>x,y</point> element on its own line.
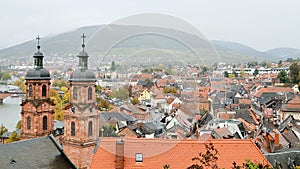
<point>293,105</point>
<point>178,153</point>
<point>272,90</point>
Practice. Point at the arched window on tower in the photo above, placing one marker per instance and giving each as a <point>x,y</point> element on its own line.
<point>75,93</point>
<point>44,90</point>
<point>90,91</point>
<point>90,128</point>
<point>28,123</point>
<point>72,128</point>
<point>45,124</point>
<point>30,91</point>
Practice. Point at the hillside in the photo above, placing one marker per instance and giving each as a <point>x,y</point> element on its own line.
<point>118,42</point>
<point>284,53</point>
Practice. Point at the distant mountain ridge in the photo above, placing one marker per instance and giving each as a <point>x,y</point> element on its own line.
<point>284,53</point>
<point>69,44</point>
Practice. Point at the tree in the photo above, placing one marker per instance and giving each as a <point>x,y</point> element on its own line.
<point>3,129</point>
<point>99,89</point>
<point>251,165</point>
<point>103,104</point>
<point>280,63</point>
<point>5,76</point>
<point>235,73</point>
<point>255,72</point>
<point>283,76</point>
<point>21,84</point>
<point>226,74</point>
<point>167,166</point>
<point>294,72</point>
<point>169,90</point>
<point>134,101</point>
<point>207,159</point>
<point>108,131</point>
<point>19,124</point>
<point>121,93</point>
<point>59,83</point>
<point>242,73</point>
<point>204,70</point>
<point>59,102</point>
<point>113,66</point>
<point>13,137</point>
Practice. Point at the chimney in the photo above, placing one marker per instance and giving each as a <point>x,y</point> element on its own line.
<point>276,139</point>
<point>120,154</point>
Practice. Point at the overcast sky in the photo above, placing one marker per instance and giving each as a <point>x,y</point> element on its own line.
<point>261,24</point>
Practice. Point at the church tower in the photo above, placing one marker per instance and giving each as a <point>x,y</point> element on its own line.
<point>37,108</point>
<point>81,129</point>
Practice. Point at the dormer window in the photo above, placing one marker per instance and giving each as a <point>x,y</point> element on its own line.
<point>138,157</point>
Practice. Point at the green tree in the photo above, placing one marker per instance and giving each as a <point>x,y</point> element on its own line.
<point>108,131</point>
<point>13,137</point>
<point>3,129</point>
<point>226,74</point>
<point>113,66</point>
<point>121,93</point>
<point>255,72</point>
<point>251,165</point>
<point>283,76</point>
<point>19,124</point>
<point>5,76</point>
<point>204,70</point>
<point>294,72</point>
<point>235,73</point>
<point>280,63</point>
<point>99,89</point>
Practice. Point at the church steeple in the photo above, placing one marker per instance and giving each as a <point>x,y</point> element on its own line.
<point>81,123</point>
<point>83,56</point>
<point>37,108</point>
<point>38,56</point>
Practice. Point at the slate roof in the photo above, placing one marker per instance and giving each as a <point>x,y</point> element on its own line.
<point>107,116</point>
<point>283,157</point>
<point>43,152</point>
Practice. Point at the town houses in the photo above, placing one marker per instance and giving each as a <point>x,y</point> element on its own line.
<point>156,117</point>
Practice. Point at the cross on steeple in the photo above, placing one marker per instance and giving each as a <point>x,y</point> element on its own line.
<point>83,37</point>
<point>38,40</point>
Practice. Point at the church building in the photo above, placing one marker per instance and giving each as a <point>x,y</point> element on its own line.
<point>81,122</point>
<point>37,108</point>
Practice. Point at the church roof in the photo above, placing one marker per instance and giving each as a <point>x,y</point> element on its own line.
<point>44,152</point>
<point>83,75</point>
<point>38,73</point>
